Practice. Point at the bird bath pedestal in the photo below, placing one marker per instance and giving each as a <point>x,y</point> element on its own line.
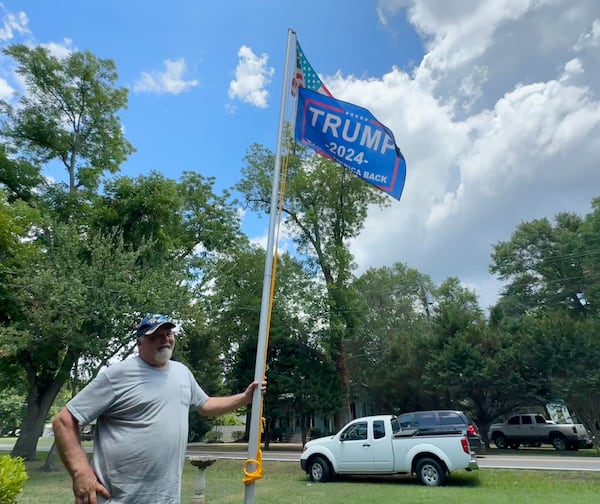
<point>201,463</point>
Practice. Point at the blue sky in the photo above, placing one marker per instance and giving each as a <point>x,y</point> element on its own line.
<point>179,62</point>
<point>494,103</point>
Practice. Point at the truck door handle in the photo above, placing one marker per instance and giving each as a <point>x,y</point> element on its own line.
<point>366,444</point>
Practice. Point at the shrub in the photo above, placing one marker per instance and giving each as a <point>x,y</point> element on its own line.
<point>12,478</point>
<point>238,435</point>
<point>213,436</point>
<point>229,419</point>
<point>199,426</point>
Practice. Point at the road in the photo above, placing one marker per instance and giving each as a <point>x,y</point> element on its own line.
<point>495,461</point>
<point>544,462</point>
<point>506,460</point>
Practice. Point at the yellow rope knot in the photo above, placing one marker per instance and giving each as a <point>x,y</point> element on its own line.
<point>251,477</point>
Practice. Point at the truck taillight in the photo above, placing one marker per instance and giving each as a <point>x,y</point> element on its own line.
<point>465,445</point>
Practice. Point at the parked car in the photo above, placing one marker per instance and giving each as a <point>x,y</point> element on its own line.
<point>376,445</point>
<point>443,421</point>
<point>533,429</point>
<point>87,432</point>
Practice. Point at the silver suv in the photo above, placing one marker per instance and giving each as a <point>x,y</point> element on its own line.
<point>443,421</point>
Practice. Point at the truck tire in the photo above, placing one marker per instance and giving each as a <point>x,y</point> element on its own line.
<point>430,472</point>
<point>318,470</point>
<point>559,442</point>
<point>500,441</point>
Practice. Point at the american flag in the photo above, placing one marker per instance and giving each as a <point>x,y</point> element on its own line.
<point>305,76</point>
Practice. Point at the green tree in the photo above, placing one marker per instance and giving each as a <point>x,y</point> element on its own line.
<point>68,114</point>
<point>303,382</point>
<point>79,299</point>
<point>198,348</point>
<point>183,219</point>
<point>97,257</point>
<point>561,356</point>
<point>233,306</point>
<point>471,366</point>
<point>385,360</point>
<point>550,305</point>
<point>589,234</point>
<point>21,179</point>
<point>478,371</point>
<point>12,406</point>
<point>233,301</point>
<point>16,220</point>
<point>324,207</point>
<point>456,309</point>
<point>549,266</point>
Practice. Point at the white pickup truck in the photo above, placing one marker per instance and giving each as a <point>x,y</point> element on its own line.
<point>377,445</point>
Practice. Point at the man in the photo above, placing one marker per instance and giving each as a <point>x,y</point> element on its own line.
<point>141,406</point>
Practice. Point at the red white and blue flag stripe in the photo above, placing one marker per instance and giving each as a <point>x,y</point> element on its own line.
<point>305,76</point>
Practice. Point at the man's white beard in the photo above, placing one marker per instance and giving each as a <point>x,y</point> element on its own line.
<point>163,355</point>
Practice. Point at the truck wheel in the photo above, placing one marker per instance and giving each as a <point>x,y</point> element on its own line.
<point>559,442</point>
<point>318,470</point>
<point>430,472</point>
<point>500,441</point>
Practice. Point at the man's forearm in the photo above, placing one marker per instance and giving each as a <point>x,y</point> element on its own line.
<point>66,436</point>
<point>216,406</point>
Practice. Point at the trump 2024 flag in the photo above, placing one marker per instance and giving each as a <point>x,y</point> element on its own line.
<point>353,137</point>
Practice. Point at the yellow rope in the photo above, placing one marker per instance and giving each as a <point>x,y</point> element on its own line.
<point>251,477</point>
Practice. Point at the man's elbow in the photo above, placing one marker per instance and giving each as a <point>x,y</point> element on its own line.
<point>203,410</point>
<point>63,421</point>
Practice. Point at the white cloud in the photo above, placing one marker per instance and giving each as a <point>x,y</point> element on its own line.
<point>499,124</point>
<point>168,82</point>
<point>13,23</point>
<point>251,77</point>
<point>6,92</point>
<point>60,50</point>
<point>573,68</point>
<point>590,39</point>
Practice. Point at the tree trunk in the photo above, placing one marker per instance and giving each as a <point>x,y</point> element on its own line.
<point>38,406</point>
<point>50,464</point>
<point>268,433</point>
<point>343,329</point>
<point>342,417</point>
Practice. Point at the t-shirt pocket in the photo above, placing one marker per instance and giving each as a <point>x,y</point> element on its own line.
<point>185,394</point>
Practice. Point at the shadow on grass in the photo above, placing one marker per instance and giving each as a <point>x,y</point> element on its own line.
<point>459,480</point>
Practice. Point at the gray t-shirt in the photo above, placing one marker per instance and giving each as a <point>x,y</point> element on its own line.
<point>142,428</point>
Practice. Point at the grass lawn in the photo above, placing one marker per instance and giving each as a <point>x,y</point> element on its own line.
<point>284,482</point>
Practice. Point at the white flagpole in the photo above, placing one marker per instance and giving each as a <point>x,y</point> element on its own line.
<point>261,347</point>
